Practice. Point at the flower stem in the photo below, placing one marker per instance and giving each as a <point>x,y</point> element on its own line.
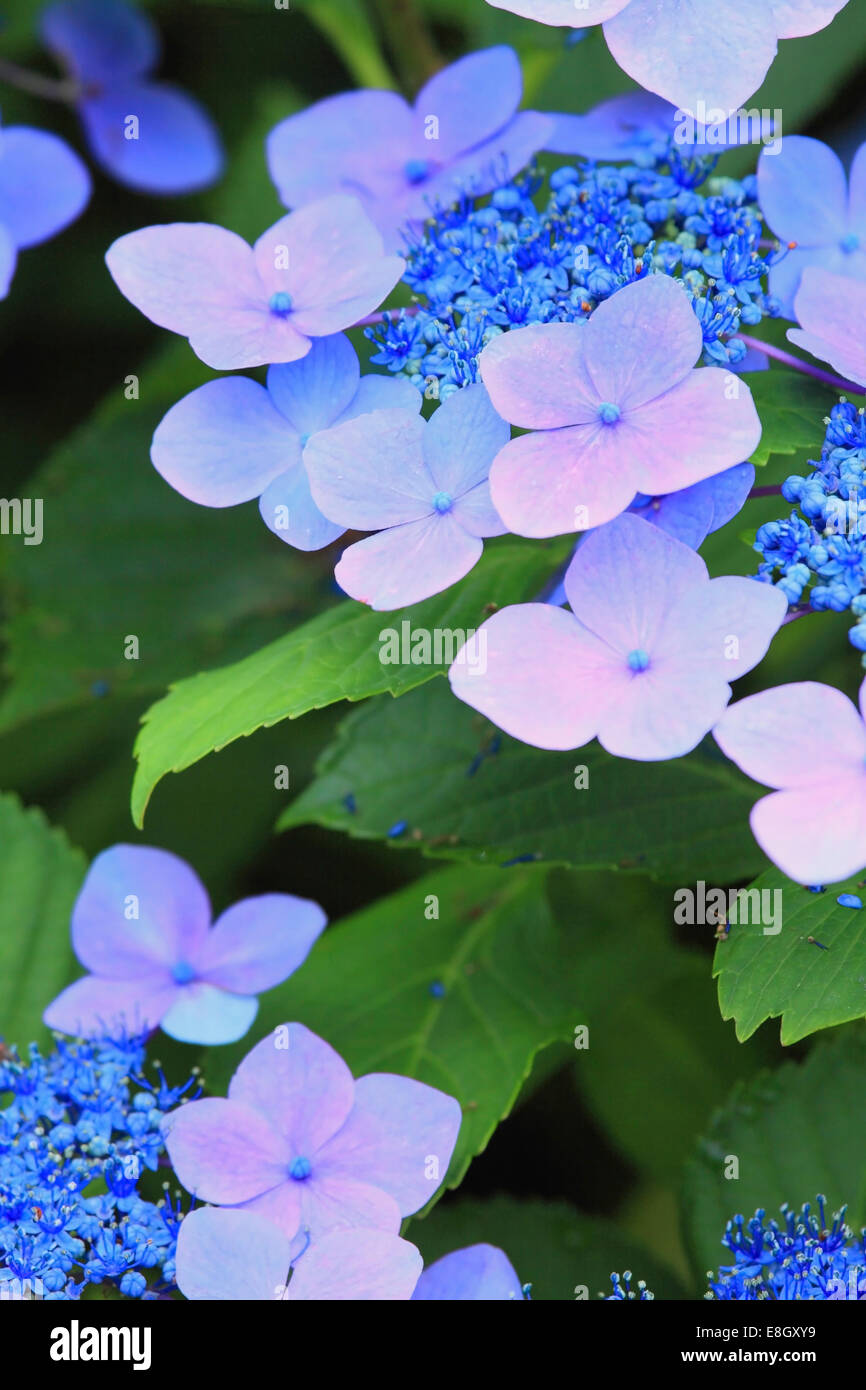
<point>49,88</point>
<point>840,384</point>
<point>764,492</point>
<point>410,42</point>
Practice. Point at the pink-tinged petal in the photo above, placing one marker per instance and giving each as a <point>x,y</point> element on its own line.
<point>562,11</point>
<point>231,1255</point>
<point>43,185</point>
<point>624,578</point>
<point>200,281</point>
<point>101,40</point>
<point>224,1151</point>
<point>377,392</point>
<point>139,910</point>
<point>8,260</point>
<point>176,148</point>
<point>664,713</point>
<point>259,942</point>
<point>556,481</point>
<point>488,165</point>
<point>794,735</point>
<point>400,1135</point>
<point>287,508</point>
<point>479,1273</point>
<point>370,472</point>
<point>832,310</point>
<point>338,1201</point>
<point>280,1206</point>
<point>202,1013</point>
<point>537,377</point>
<point>98,1007</point>
<point>406,564</point>
<point>475,512</point>
<point>360,1266</point>
<point>543,678</point>
<point>224,443</point>
<point>726,626</point>
<point>861,699</point>
<point>462,439</point>
<point>314,392</point>
<point>691,53</point>
<point>472,99</point>
<point>300,1083</point>
<point>803,192</point>
<point>641,342</point>
<point>814,834</point>
<point>705,424</point>
<point>356,140</point>
<point>795,18</point>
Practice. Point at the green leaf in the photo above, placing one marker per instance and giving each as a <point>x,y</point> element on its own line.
<point>511,978</point>
<point>770,975</point>
<point>550,1244</point>
<point>681,819</point>
<point>335,656</point>
<point>792,407</point>
<point>796,1133</point>
<point>41,875</point>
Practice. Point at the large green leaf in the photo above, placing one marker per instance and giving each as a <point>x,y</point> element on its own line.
<point>506,982</point>
<point>792,408</point>
<point>797,1132</point>
<point>335,656</point>
<point>770,975</point>
<point>41,874</point>
<point>682,819</point>
<point>550,1244</point>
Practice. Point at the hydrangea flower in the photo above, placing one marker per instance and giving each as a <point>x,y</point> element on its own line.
<point>692,52</point>
<point>831,310</point>
<point>464,133</point>
<point>146,134</point>
<point>312,274</point>
<point>808,741</point>
<point>43,187</point>
<point>424,483</point>
<point>232,440</point>
<point>141,926</point>
<point>805,198</point>
<point>616,408</point>
<point>482,1273</point>
<point>639,127</point>
<point>301,1143</point>
<point>643,660</point>
<point>804,1258</point>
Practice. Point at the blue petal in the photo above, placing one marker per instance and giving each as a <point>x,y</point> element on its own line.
<point>313,392</point>
<point>153,137</point>
<point>480,1273</point>
<point>7,261</point>
<point>43,185</point>
<point>204,1013</point>
<point>101,40</point>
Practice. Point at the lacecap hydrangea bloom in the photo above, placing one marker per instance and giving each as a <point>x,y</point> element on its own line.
<point>692,52</point>
<point>142,926</point>
<point>232,439</point>
<point>463,134</point>
<point>312,274</point>
<point>147,134</point>
<point>643,660</point>
<point>804,1257</point>
<point>303,1144</point>
<point>43,187</point>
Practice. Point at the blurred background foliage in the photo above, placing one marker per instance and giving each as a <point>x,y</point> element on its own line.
<point>588,1170</point>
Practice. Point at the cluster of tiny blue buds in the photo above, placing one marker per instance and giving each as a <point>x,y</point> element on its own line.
<point>79,1131</point>
<point>488,265</point>
<point>823,544</point>
<point>803,1258</point>
<point>623,1291</point>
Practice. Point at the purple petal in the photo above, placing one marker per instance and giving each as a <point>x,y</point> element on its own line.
<point>545,679</point>
<point>664,712</point>
<point>730,492</point>
<point>794,735</point>
<point>8,260</point>
<point>231,1255</point>
<point>537,377</point>
<point>831,310</point>
<point>370,472</point>
<point>101,40</point>
<point>686,515</point>
<point>314,392</point>
<point>857,192</point>
<point>557,481</point>
<point>475,512</point>
<point>223,1151</point>
<point>812,849</point>
<point>803,192</point>
<point>360,1266</point>
<point>472,100</point>
<point>641,342</point>
<point>700,58</point>
<point>377,392</point>
<point>139,910</point>
<point>300,1082</point>
<point>43,185</point>
<point>339,1201</point>
<point>795,18</point>
<point>224,443</point>
<point>280,1206</point>
<point>173,147</point>
<point>408,563</point>
<point>480,1272</point>
<point>287,508</point>
<point>620,128</point>
<point>201,1013</point>
<point>400,1135</point>
<point>562,11</point>
<point>727,624</point>
<point>705,424</point>
<point>462,439</point>
<point>97,1007</point>
<point>259,942</point>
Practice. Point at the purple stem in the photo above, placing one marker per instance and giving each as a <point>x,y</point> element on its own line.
<point>794,613</point>
<point>799,365</point>
<point>764,492</point>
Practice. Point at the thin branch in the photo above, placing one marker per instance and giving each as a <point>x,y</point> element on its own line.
<point>49,88</point>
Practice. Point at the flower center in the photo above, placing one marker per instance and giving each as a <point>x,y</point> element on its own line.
<point>443,502</point>
<point>638,660</point>
<point>417,170</point>
<point>300,1169</point>
<point>280,303</point>
<point>608,413</point>
<point>182,973</point>
<point>850,243</point>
